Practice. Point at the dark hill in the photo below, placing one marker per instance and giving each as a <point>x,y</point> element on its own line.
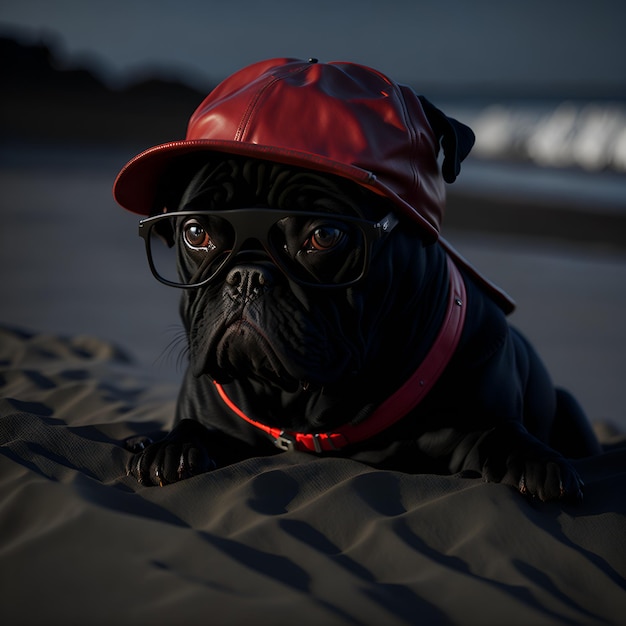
<point>44,101</point>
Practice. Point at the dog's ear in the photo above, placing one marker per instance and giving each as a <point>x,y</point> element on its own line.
<point>456,139</point>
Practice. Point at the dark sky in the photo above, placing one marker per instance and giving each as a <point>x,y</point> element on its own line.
<point>534,44</point>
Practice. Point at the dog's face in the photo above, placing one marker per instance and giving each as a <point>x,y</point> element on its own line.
<point>312,310</point>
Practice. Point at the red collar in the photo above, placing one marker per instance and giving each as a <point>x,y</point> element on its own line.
<point>395,407</point>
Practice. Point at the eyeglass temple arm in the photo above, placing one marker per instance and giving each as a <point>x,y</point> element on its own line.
<point>386,224</point>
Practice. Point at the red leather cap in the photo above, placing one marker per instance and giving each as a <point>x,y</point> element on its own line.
<point>341,118</point>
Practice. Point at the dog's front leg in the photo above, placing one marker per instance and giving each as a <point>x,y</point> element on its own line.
<point>189,449</point>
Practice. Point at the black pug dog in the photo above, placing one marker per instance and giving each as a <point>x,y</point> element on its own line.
<point>321,318</point>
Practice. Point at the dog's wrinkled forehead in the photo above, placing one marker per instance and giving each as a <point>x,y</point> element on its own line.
<point>220,182</point>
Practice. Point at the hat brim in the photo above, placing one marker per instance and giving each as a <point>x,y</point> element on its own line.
<point>135,187</point>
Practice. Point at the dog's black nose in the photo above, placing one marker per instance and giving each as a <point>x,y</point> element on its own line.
<point>250,280</point>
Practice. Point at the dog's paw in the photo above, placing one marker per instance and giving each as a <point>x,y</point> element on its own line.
<point>182,454</point>
<point>548,478</point>
<point>535,469</point>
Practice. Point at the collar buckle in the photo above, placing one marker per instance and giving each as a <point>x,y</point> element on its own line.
<point>285,441</point>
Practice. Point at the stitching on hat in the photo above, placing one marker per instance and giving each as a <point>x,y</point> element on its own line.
<point>413,133</point>
<point>247,116</point>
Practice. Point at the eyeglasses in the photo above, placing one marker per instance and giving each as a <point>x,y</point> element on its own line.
<point>191,248</point>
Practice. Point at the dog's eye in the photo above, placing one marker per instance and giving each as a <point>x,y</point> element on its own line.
<point>195,235</point>
<point>325,238</point>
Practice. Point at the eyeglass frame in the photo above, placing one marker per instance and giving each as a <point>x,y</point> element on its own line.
<point>258,220</point>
